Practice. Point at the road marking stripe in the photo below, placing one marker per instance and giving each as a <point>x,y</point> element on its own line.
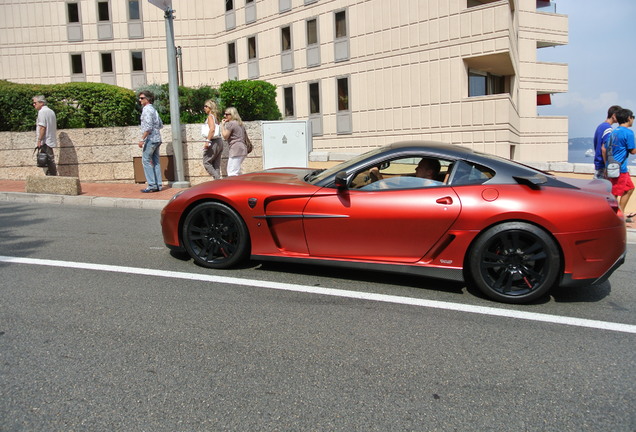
<point>458,307</point>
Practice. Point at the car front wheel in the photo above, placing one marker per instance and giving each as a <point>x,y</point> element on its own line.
<point>215,236</point>
<point>514,262</point>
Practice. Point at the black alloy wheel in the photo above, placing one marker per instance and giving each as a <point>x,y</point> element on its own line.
<point>215,236</point>
<point>514,262</point>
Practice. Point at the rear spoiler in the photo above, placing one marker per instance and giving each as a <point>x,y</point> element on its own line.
<point>533,182</point>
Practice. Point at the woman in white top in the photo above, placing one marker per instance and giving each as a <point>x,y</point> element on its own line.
<point>214,145</point>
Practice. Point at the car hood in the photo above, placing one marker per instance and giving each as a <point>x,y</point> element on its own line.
<point>276,175</point>
<point>280,176</point>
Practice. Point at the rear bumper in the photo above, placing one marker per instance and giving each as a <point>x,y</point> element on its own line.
<point>590,256</point>
<point>569,282</point>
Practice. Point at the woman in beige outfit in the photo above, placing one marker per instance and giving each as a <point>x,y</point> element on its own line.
<point>233,132</point>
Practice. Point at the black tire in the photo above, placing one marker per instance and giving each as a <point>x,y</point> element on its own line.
<point>215,236</point>
<point>514,262</point>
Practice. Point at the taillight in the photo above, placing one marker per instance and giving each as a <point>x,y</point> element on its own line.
<point>613,203</point>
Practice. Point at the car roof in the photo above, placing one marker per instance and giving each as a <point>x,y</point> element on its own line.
<point>445,147</point>
<point>507,171</point>
<point>449,150</point>
<point>455,151</point>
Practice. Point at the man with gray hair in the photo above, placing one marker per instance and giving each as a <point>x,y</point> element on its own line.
<point>46,132</point>
<point>150,141</point>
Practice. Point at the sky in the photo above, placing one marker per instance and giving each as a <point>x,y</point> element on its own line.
<point>601,58</point>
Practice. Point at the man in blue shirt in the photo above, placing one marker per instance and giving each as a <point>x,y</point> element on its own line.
<point>601,136</point>
<point>150,142</point>
<point>622,141</point>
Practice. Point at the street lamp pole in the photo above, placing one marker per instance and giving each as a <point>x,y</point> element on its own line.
<point>173,91</point>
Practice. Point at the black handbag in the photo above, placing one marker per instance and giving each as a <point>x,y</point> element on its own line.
<point>42,159</point>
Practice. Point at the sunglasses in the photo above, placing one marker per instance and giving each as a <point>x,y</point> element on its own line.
<point>142,97</point>
<point>227,114</point>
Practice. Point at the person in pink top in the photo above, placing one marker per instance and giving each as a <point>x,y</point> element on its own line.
<point>233,132</point>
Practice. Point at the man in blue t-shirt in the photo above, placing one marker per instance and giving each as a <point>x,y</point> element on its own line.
<point>601,136</point>
<point>623,145</point>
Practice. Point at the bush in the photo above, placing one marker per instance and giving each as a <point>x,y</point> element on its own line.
<point>91,105</point>
<point>161,103</point>
<point>254,100</point>
<point>76,105</point>
<point>191,101</point>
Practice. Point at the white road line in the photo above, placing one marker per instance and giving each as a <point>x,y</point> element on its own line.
<point>483,310</point>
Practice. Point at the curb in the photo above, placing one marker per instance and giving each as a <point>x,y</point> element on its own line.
<point>90,201</point>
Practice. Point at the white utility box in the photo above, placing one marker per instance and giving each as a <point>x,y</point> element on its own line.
<point>286,143</point>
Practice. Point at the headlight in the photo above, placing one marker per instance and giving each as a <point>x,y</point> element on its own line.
<point>176,195</point>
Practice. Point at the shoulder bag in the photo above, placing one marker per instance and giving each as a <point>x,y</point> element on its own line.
<point>205,130</point>
<point>248,143</point>
<point>612,168</point>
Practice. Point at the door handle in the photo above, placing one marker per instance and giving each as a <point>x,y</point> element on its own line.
<point>445,201</point>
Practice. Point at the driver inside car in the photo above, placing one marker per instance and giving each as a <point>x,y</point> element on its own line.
<point>426,173</point>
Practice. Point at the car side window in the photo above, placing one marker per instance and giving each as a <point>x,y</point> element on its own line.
<point>403,173</point>
<point>465,173</point>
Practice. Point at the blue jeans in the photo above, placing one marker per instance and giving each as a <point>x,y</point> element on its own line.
<point>150,162</point>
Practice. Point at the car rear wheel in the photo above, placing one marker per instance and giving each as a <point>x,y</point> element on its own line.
<point>215,236</point>
<point>514,262</point>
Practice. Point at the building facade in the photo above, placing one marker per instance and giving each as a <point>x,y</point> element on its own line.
<point>363,72</point>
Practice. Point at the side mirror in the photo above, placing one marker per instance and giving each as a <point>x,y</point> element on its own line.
<point>341,180</point>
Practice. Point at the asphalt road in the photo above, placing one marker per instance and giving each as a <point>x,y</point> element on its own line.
<point>101,329</point>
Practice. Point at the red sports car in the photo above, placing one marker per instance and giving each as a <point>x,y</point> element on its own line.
<point>429,209</point>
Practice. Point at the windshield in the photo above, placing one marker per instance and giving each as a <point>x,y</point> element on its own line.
<point>318,176</point>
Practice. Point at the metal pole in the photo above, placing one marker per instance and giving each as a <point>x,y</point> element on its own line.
<point>180,65</point>
<point>178,71</point>
<point>173,91</point>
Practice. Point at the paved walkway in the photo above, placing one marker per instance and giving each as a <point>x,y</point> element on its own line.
<point>95,194</point>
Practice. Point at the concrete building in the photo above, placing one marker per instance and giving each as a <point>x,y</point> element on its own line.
<point>364,72</point>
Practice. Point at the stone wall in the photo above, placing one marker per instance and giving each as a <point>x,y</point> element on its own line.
<point>107,154</point>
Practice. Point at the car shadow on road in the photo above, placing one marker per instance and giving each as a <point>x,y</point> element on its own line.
<point>180,255</point>
<point>365,276</point>
<point>184,256</point>
<point>587,294</point>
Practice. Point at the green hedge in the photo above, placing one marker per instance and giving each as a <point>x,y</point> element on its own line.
<point>76,105</point>
<point>254,100</point>
<point>191,101</point>
<point>91,105</point>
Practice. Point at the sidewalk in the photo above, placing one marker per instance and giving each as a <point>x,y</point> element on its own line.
<point>127,195</point>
